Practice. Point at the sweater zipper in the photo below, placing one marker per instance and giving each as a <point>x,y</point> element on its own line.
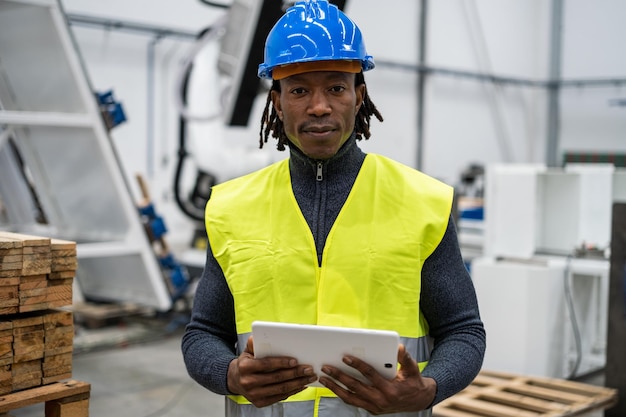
<point>320,196</point>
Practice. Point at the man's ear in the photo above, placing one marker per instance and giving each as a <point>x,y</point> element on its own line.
<point>276,103</point>
<point>360,96</point>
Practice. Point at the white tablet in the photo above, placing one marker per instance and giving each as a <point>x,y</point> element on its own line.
<point>325,345</point>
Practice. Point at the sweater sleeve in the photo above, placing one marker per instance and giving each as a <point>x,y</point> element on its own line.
<point>209,342</point>
<point>449,304</point>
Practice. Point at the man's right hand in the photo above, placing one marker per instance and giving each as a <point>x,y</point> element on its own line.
<point>266,381</point>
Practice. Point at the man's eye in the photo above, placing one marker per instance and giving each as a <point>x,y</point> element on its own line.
<point>337,89</point>
<point>298,91</point>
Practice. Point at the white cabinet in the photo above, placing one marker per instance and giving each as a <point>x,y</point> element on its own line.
<point>543,316</point>
<point>531,209</point>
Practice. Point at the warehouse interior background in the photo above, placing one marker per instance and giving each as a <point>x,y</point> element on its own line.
<point>519,104</point>
<point>464,121</point>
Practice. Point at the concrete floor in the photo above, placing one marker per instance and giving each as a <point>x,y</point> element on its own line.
<point>136,369</point>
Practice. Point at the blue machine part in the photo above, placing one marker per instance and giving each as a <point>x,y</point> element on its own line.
<point>157,227</point>
<point>179,278</point>
<point>148,211</point>
<point>155,223</point>
<point>474,213</point>
<point>177,274</point>
<point>111,109</point>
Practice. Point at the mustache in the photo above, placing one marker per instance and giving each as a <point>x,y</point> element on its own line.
<point>317,126</point>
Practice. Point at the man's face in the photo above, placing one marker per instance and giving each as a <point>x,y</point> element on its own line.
<point>318,110</point>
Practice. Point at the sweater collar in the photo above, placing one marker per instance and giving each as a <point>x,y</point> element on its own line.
<point>348,159</point>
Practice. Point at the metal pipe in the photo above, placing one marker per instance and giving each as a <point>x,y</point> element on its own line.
<point>150,106</point>
<point>162,32</point>
<point>125,26</point>
<point>421,82</point>
<point>554,117</point>
<point>520,82</point>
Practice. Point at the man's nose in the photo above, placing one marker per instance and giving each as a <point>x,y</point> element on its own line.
<point>319,104</point>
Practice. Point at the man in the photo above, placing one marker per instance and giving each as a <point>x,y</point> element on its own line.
<point>330,236</point>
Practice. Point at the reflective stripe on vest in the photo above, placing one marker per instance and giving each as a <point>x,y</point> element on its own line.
<point>266,250</point>
<point>326,406</point>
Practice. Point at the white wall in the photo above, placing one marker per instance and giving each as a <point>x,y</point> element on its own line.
<point>469,121</point>
<point>465,121</point>
<point>593,48</point>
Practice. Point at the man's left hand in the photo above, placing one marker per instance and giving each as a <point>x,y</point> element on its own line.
<point>408,391</point>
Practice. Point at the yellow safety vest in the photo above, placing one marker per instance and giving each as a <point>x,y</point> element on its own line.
<point>392,220</point>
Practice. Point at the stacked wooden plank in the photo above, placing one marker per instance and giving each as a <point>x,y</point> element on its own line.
<point>501,394</point>
<point>58,346</point>
<point>36,273</point>
<point>36,335</point>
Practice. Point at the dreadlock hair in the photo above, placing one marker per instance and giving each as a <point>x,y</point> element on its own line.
<point>271,123</point>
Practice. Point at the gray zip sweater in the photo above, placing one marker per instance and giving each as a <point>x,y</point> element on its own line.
<point>448,300</point>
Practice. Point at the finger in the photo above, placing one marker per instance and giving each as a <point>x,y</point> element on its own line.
<point>265,389</point>
<point>258,385</point>
<point>367,370</point>
<point>331,383</point>
<point>300,375</point>
<point>271,362</point>
<point>401,352</point>
<point>344,381</point>
<point>250,346</point>
<point>408,366</point>
<point>346,395</point>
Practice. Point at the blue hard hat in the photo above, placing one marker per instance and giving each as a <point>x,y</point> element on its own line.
<point>313,30</point>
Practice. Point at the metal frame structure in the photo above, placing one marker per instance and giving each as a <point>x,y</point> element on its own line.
<point>63,158</point>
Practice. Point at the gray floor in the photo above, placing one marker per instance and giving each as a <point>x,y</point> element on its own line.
<point>135,369</point>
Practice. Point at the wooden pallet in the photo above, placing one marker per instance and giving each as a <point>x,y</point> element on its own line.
<point>93,316</point>
<point>62,399</point>
<point>499,394</point>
